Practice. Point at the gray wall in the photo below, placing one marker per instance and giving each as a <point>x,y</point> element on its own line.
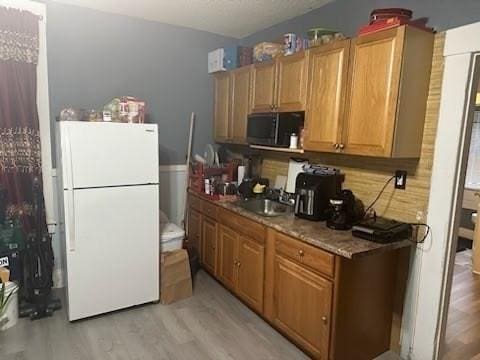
<point>347,16</point>
<point>95,56</point>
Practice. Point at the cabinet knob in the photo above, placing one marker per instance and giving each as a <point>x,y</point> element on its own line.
<point>324,319</point>
<point>239,263</point>
<point>341,146</point>
<point>301,252</point>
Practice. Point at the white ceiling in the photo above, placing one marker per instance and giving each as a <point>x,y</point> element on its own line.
<point>235,18</point>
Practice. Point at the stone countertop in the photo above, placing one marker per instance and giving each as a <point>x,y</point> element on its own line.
<point>316,233</point>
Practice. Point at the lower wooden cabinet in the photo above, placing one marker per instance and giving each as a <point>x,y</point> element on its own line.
<point>194,230</point>
<point>227,270</point>
<point>302,306</point>
<point>241,264</point>
<point>209,245</point>
<point>332,307</point>
<point>251,272</point>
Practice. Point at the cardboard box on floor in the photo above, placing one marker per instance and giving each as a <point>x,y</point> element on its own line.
<point>4,274</point>
<point>176,280</point>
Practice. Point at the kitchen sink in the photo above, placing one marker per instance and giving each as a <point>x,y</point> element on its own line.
<point>265,207</point>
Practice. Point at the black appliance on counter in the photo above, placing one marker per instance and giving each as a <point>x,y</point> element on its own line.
<point>273,129</point>
<point>346,210</point>
<point>382,230</point>
<point>313,193</point>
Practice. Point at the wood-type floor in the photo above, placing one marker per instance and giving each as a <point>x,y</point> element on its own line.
<point>462,340</point>
<point>212,324</point>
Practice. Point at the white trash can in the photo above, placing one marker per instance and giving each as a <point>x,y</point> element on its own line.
<point>11,310</point>
<point>171,237</point>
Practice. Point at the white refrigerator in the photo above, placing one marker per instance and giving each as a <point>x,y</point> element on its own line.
<point>109,215</point>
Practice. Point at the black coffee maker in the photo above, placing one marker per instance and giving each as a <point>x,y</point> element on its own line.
<point>312,194</point>
<point>345,210</point>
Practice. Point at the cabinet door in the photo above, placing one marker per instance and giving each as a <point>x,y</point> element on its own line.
<point>327,79</point>
<point>227,271</point>
<point>292,82</point>
<point>302,306</point>
<point>194,230</point>
<point>373,93</point>
<point>250,272</point>
<point>241,81</point>
<point>209,245</point>
<point>263,87</point>
<point>222,106</point>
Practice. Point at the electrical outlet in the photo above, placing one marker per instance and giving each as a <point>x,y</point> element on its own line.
<point>400,179</point>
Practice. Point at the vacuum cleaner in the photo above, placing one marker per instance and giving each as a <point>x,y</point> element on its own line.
<point>38,260</point>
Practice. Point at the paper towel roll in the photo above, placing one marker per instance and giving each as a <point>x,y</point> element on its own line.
<point>294,168</point>
<point>241,174</point>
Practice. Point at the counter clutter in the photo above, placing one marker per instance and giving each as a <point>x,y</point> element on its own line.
<point>341,243</point>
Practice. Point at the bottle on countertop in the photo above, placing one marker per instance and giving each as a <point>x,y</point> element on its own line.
<point>293,141</point>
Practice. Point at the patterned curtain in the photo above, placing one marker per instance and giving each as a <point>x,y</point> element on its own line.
<point>20,164</point>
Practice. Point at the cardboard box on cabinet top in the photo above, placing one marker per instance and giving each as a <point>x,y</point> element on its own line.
<point>175,276</point>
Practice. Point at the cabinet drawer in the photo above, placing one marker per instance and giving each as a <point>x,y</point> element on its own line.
<point>305,254</point>
<point>209,209</point>
<point>246,226</point>
<point>195,202</point>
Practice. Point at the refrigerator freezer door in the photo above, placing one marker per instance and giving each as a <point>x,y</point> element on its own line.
<point>114,263</point>
<point>97,154</point>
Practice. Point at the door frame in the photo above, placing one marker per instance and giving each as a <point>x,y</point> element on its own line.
<point>427,307</point>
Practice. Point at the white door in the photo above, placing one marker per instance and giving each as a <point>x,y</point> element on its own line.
<point>96,154</point>
<point>112,249</point>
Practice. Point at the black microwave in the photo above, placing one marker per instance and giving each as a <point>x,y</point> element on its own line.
<point>273,129</point>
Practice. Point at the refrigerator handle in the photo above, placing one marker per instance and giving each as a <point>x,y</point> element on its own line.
<point>68,159</point>
<point>71,220</point>
<point>70,191</point>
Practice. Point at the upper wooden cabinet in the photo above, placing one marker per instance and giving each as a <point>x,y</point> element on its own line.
<point>327,80</point>
<point>365,96</point>
<point>232,105</point>
<point>291,86</point>
<point>388,89</point>
<point>221,114</point>
<point>263,87</point>
<point>280,85</point>
<point>241,81</point>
